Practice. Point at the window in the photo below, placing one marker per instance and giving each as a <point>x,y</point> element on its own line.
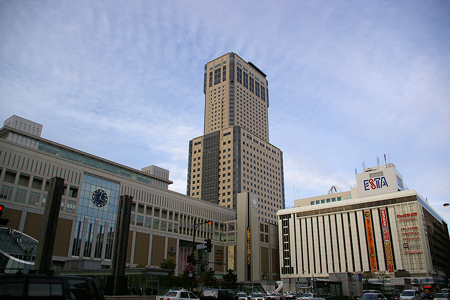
<point>148,222</point>
<point>216,76</point>
<point>6,192</point>
<point>210,79</point>
<point>224,73</point>
<point>239,75</point>
<point>245,80</point>
<point>71,206</point>
<point>139,220</point>
<point>34,198</point>
<point>20,195</point>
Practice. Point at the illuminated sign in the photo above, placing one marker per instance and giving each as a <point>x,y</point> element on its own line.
<point>370,241</point>
<point>387,240</point>
<point>248,245</point>
<point>375,183</point>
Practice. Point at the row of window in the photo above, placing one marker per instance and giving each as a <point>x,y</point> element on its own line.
<point>34,198</point>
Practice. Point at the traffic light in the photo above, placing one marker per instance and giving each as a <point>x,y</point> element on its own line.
<point>3,221</point>
<point>190,259</point>
<point>208,245</point>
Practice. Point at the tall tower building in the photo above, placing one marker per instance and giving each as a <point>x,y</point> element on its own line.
<point>234,154</point>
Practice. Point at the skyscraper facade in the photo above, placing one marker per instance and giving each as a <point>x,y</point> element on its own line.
<point>234,154</point>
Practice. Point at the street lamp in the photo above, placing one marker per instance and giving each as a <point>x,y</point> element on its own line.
<point>196,225</point>
<point>446,205</point>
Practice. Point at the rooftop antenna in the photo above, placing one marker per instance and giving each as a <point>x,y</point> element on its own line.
<point>385,159</point>
<point>356,172</point>
<point>378,161</point>
<point>364,165</point>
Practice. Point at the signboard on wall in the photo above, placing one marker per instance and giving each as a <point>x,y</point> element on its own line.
<point>370,241</point>
<point>387,240</point>
<point>230,257</point>
<point>378,181</point>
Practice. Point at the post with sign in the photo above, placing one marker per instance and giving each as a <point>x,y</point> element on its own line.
<point>193,250</point>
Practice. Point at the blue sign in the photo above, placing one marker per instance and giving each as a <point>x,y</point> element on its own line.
<point>191,268</point>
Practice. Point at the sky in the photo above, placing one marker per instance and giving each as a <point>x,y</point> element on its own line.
<point>349,82</point>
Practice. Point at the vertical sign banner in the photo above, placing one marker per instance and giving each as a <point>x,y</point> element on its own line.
<point>370,241</point>
<point>248,245</point>
<point>387,240</point>
<point>230,258</point>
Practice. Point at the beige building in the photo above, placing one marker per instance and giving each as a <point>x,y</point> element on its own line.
<point>162,221</point>
<point>378,227</point>
<point>234,154</point>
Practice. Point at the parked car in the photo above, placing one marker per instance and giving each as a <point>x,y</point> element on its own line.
<point>218,294</point>
<point>290,296</point>
<point>307,296</point>
<point>373,296</point>
<point>178,295</point>
<point>395,296</point>
<point>441,296</point>
<point>410,295</point>
<point>257,296</point>
<point>371,291</point>
<point>273,296</point>
<point>242,296</point>
<point>25,286</point>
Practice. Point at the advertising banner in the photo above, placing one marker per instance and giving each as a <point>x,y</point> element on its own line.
<point>387,240</point>
<point>370,241</point>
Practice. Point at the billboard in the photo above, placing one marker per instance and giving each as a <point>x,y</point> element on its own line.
<point>370,241</point>
<point>379,180</point>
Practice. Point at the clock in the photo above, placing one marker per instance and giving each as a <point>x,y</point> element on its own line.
<point>99,197</point>
<point>254,201</point>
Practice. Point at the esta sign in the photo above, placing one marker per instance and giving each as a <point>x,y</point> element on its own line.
<point>375,183</point>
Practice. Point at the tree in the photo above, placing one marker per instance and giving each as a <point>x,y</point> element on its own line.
<point>207,279</point>
<point>185,281</point>
<point>167,282</point>
<point>229,280</point>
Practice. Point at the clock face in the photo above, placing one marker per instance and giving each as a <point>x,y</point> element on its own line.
<point>254,202</point>
<point>100,198</point>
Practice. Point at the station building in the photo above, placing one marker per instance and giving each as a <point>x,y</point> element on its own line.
<point>162,221</point>
<point>378,232</point>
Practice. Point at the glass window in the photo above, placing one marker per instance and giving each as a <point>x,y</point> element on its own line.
<point>164,225</point>
<point>148,222</point>
<point>139,220</point>
<point>156,224</point>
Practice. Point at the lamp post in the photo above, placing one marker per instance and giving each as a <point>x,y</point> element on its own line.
<point>446,205</point>
<point>196,225</point>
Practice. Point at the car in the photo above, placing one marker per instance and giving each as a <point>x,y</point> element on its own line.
<point>410,295</point>
<point>178,295</point>
<point>257,296</point>
<point>218,294</point>
<point>441,296</point>
<point>290,296</point>
<point>395,296</point>
<point>373,296</point>
<point>307,296</point>
<point>242,296</point>
<point>273,296</point>
<point>42,286</point>
<point>371,291</point>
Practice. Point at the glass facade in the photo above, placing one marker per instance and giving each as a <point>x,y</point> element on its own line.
<point>94,231</point>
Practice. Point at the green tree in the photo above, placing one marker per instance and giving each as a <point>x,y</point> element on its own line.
<point>229,280</point>
<point>208,279</point>
<point>186,282</point>
<point>170,281</point>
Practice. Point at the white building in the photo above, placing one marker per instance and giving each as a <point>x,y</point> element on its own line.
<point>376,228</point>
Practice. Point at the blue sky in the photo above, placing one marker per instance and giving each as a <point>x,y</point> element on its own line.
<point>349,81</point>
